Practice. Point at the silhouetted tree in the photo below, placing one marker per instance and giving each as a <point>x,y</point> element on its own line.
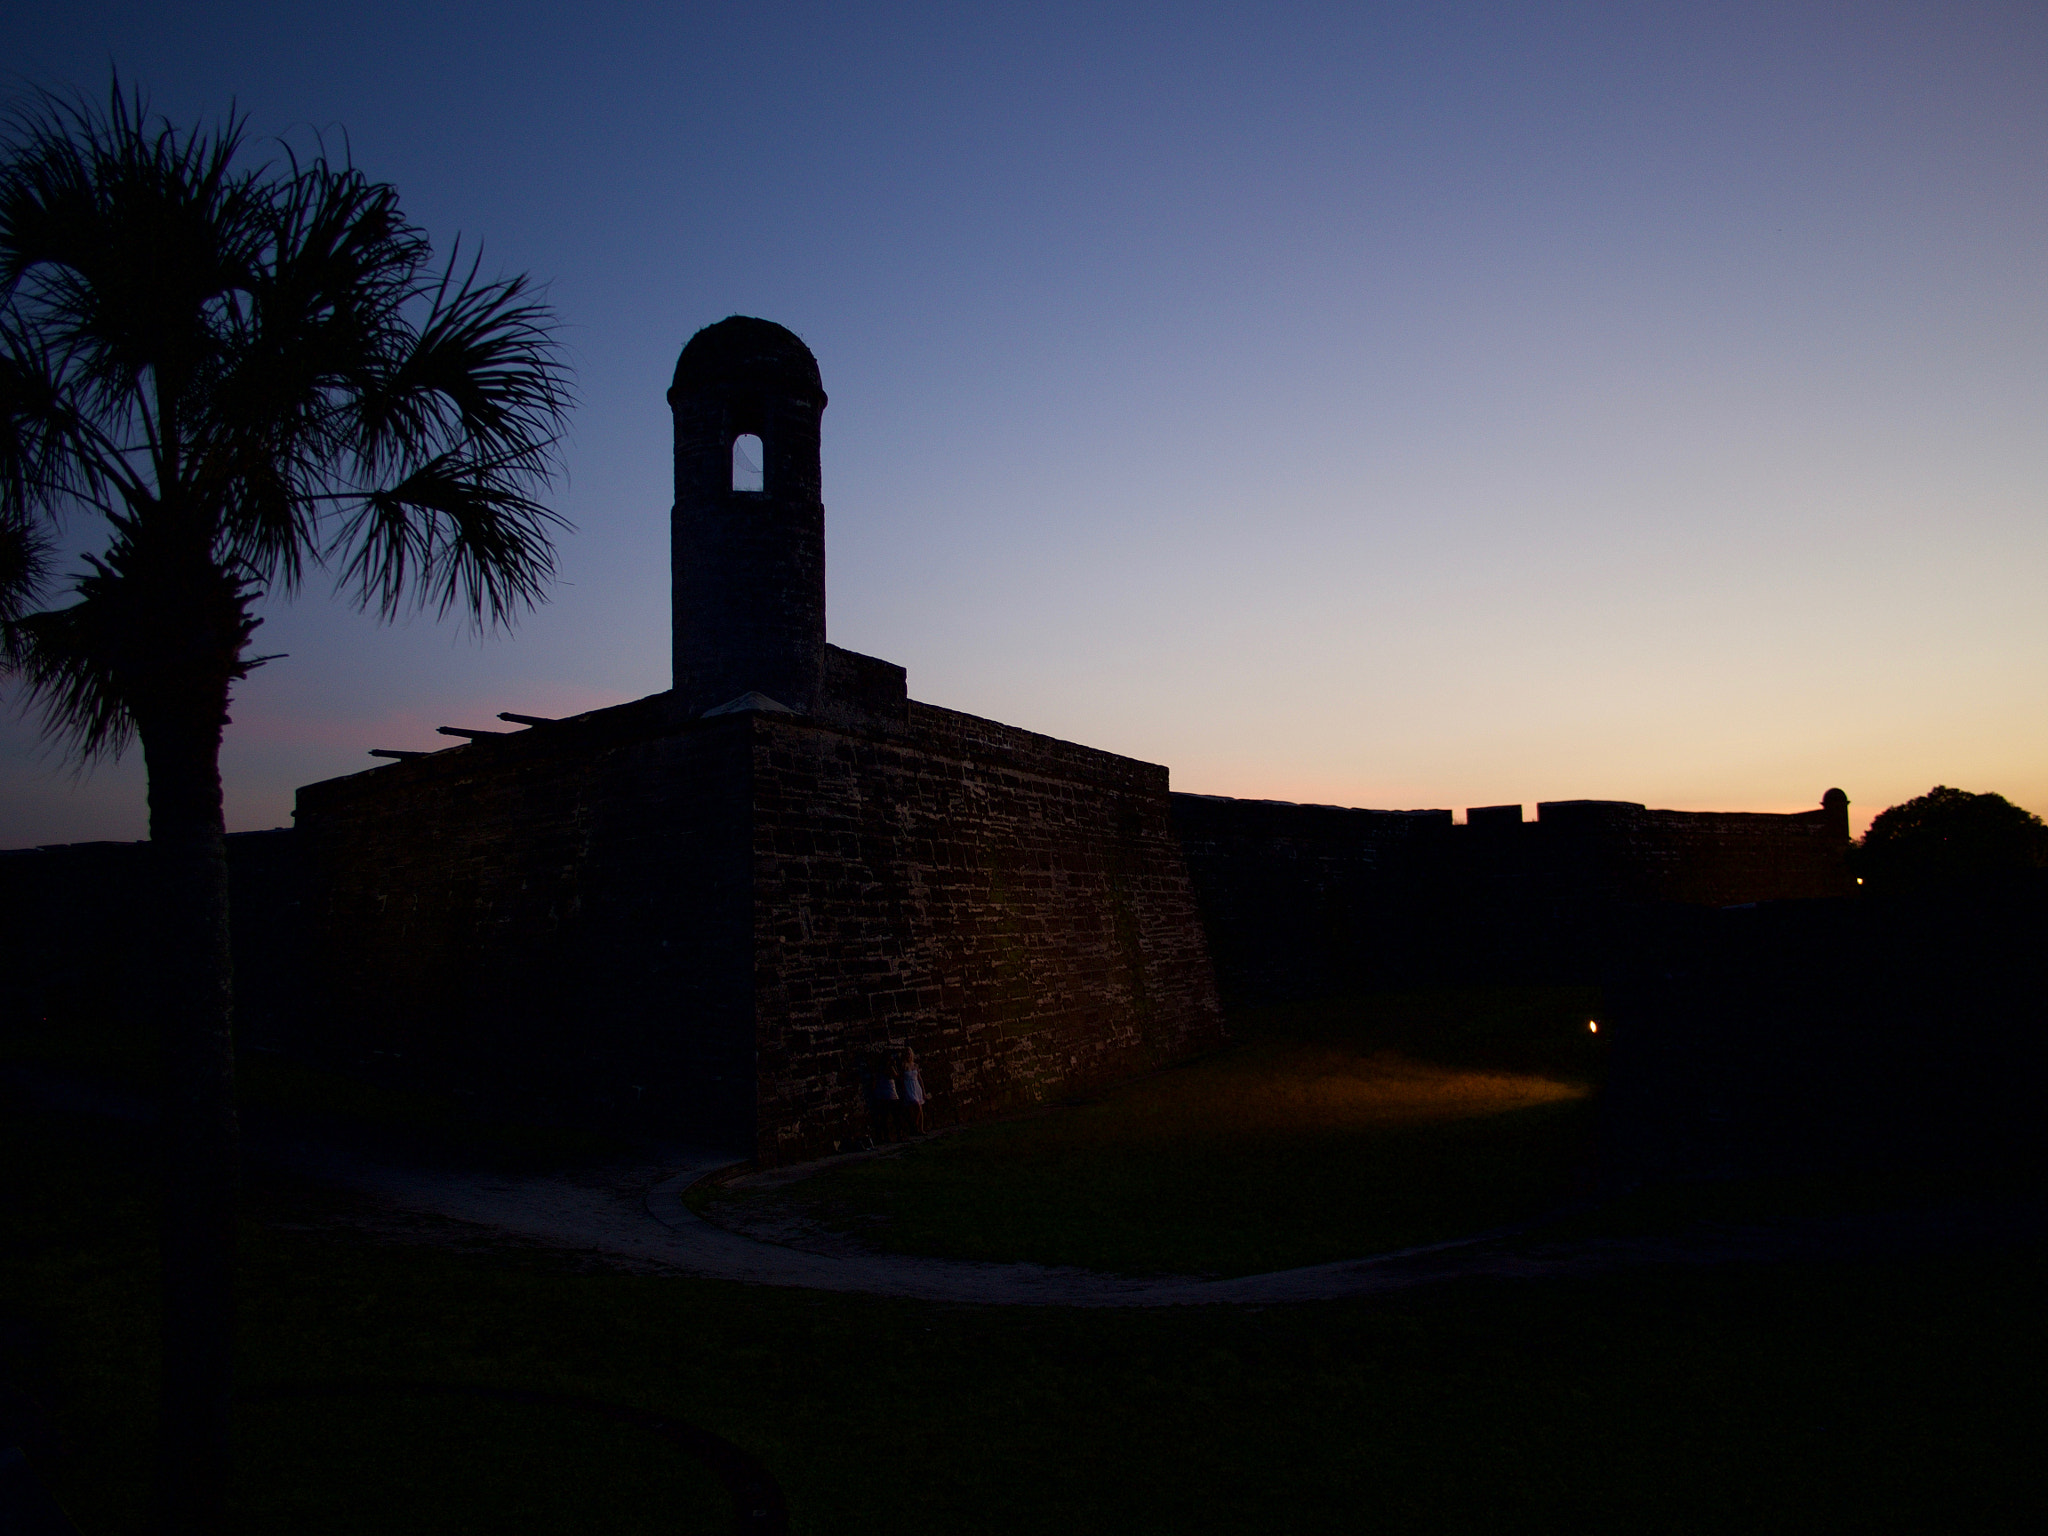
<point>1949,838</point>
<point>247,374</point>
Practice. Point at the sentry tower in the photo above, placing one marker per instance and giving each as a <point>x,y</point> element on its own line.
<point>747,533</point>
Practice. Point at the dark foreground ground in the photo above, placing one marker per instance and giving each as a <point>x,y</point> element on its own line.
<point>1894,1395</point>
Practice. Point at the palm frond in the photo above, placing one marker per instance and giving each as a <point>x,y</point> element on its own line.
<point>63,658</point>
<point>48,453</point>
<point>483,368</point>
<point>455,534</point>
<point>123,237</point>
<point>24,570</point>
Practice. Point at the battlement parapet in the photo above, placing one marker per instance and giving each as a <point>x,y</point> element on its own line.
<point>1307,900</point>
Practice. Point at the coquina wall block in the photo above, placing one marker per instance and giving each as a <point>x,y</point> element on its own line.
<point>698,927</point>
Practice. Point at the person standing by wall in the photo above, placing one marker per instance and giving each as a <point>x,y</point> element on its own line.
<point>913,1092</point>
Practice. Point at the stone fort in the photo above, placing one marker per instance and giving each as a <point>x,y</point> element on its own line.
<point>694,912</point>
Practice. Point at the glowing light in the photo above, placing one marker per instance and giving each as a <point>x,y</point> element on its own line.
<point>1859,879</point>
<point>1593,1026</point>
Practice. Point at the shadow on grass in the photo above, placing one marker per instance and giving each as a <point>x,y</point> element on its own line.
<point>431,1456</point>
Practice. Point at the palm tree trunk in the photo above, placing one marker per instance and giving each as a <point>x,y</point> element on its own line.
<point>200,1173</point>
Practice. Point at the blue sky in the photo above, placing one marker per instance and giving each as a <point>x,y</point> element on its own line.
<point>1419,405</point>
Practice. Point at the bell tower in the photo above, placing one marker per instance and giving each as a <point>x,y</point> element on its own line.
<point>747,533</point>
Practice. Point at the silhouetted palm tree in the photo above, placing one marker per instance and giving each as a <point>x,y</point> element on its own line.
<point>250,374</point>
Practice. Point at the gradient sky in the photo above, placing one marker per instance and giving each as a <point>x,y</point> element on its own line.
<point>1401,406</point>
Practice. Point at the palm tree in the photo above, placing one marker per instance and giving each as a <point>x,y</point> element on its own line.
<point>246,375</point>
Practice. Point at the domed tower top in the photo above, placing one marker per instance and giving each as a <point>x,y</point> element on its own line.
<point>742,352</point>
<point>747,533</point>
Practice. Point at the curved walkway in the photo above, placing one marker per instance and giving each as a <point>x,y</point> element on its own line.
<point>639,1214</point>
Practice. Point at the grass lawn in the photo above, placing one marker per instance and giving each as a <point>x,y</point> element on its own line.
<point>1329,1131</point>
<point>1897,1396</point>
<point>1792,1397</point>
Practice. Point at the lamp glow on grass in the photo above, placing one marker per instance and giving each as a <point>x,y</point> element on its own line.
<point>1332,1131</point>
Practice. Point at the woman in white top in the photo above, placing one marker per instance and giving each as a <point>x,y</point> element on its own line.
<point>913,1091</point>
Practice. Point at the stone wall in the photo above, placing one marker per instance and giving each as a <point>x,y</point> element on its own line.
<point>560,917</point>
<point>1307,900</point>
<point>1624,851</point>
<point>76,927</point>
<point>1304,900</point>
<point>1013,907</point>
<point>698,926</point>
<point>73,927</point>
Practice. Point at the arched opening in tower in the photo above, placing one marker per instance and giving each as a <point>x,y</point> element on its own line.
<point>747,460</point>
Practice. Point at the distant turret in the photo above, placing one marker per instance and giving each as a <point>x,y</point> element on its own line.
<point>747,533</point>
<point>1836,804</point>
